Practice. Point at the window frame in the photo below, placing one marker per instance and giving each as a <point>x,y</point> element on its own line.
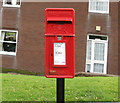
<point>5,52</point>
<point>92,61</point>
<point>98,11</point>
<point>15,6</point>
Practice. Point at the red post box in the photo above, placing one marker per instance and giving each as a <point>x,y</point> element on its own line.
<point>59,43</point>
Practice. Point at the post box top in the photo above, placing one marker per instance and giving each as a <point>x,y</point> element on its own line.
<point>60,21</point>
<point>59,12</point>
<point>59,9</point>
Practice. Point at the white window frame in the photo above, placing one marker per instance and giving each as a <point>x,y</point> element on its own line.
<point>6,5</point>
<point>92,61</point>
<point>5,52</point>
<point>99,11</point>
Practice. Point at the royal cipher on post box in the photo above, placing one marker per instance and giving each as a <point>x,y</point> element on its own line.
<point>59,43</point>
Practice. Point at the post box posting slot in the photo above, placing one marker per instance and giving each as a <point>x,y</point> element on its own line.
<point>59,27</point>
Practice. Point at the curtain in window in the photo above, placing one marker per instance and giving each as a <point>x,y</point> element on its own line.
<point>98,68</point>
<point>99,50</point>
<point>89,47</point>
<point>99,5</point>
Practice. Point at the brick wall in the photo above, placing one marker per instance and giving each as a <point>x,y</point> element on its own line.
<point>29,21</point>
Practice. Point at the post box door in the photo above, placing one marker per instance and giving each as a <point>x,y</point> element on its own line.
<point>61,60</point>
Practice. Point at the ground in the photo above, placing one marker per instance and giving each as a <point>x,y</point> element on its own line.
<point>39,88</point>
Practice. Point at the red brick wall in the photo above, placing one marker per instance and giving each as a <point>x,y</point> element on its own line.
<point>29,21</point>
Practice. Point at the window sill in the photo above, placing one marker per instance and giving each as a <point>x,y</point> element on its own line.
<point>7,53</point>
<point>12,6</point>
<point>99,12</point>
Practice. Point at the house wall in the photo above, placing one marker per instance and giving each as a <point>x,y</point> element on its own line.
<point>29,20</point>
<point>113,40</point>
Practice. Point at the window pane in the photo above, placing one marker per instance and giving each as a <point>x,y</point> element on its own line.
<point>88,67</point>
<point>98,68</point>
<point>9,47</point>
<point>89,47</point>
<point>10,36</point>
<point>8,41</point>
<point>99,5</point>
<point>2,36</point>
<point>1,46</point>
<point>8,2</point>
<point>99,51</point>
<point>18,2</point>
<point>93,37</point>
<point>12,2</point>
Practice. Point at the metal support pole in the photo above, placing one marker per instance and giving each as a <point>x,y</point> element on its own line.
<point>60,90</point>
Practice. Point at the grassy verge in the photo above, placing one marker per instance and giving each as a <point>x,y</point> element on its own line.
<point>36,88</point>
<point>19,71</point>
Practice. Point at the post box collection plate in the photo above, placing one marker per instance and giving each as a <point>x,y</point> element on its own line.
<point>59,54</point>
<point>59,43</point>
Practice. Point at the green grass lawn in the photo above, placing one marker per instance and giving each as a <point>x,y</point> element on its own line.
<point>35,88</point>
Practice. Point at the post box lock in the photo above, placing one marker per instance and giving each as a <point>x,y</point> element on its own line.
<point>59,38</point>
<point>51,54</point>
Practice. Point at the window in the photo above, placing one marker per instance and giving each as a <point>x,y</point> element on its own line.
<point>11,3</point>
<point>8,42</point>
<point>99,6</point>
<point>96,55</point>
